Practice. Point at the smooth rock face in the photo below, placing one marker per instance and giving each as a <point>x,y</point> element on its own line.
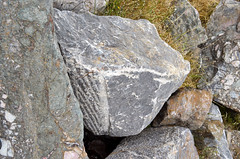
<point>79,6</point>
<point>186,26</point>
<point>221,55</point>
<point>40,116</point>
<point>163,143</point>
<point>120,70</point>
<point>187,107</point>
<point>211,139</point>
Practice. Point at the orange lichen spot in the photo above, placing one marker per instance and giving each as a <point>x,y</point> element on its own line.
<point>58,63</point>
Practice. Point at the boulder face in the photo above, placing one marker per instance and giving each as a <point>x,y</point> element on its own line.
<point>40,115</point>
<point>120,70</point>
<point>221,55</point>
<point>78,6</point>
<point>234,143</point>
<point>225,19</point>
<point>211,139</point>
<point>164,142</point>
<point>187,107</point>
<point>186,26</point>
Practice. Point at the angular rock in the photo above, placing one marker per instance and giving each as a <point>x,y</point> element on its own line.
<point>225,19</point>
<point>164,142</point>
<point>120,70</point>
<point>187,107</point>
<point>40,115</point>
<point>78,6</point>
<point>221,55</point>
<point>186,26</point>
<point>234,143</point>
<point>211,139</point>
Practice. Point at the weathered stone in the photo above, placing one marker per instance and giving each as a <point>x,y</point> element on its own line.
<point>221,55</point>
<point>164,142</point>
<point>78,6</point>
<point>210,139</point>
<point>40,116</point>
<point>234,143</point>
<point>186,26</point>
<point>120,70</point>
<point>187,107</point>
<point>225,18</point>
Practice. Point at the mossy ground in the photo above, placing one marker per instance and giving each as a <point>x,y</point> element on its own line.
<point>157,12</point>
<point>230,117</point>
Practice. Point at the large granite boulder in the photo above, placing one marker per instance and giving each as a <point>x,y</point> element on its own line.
<point>164,142</point>
<point>186,26</point>
<point>40,116</point>
<point>120,70</point>
<point>78,6</point>
<point>187,107</point>
<point>221,55</point>
<point>210,139</point>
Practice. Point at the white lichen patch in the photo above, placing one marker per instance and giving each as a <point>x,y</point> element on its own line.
<point>229,80</point>
<point>6,149</point>
<point>4,96</point>
<point>2,104</point>
<point>71,155</point>
<point>13,126</point>
<point>9,117</point>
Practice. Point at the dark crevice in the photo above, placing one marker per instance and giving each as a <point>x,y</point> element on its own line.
<point>99,147</point>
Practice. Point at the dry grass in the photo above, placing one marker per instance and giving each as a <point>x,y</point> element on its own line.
<point>157,12</point>
<point>205,9</point>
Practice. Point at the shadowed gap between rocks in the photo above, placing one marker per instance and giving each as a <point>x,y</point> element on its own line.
<point>99,147</point>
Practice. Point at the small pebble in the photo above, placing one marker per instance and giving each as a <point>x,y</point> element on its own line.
<point>9,117</point>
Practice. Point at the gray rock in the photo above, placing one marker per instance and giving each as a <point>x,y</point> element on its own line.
<point>159,143</point>
<point>78,6</point>
<point>234,142</point>
<point>221,55</point>
<point>40,116</point>
<point>186,26</point>
<point>120,70</point>
<point>211,139</point>
<point>225,18</point>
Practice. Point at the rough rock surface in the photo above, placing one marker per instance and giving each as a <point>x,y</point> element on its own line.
<point>225,19</point>
<point>221,55</point>
<point>187,107</point>
<point>39,114</point>
<point>78,6</point>
<point>234,143</point>
<point>211,139</point>
<point>120,70</point>
<point>186,26</point>
<point>164,142</point>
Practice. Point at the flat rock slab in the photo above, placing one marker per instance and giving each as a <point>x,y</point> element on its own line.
<point>221,55</point>
<point>78,6</point>
<point>162,143</point>
<point>187,107</point>
<point>120,69</point>
<point>186,26</point>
